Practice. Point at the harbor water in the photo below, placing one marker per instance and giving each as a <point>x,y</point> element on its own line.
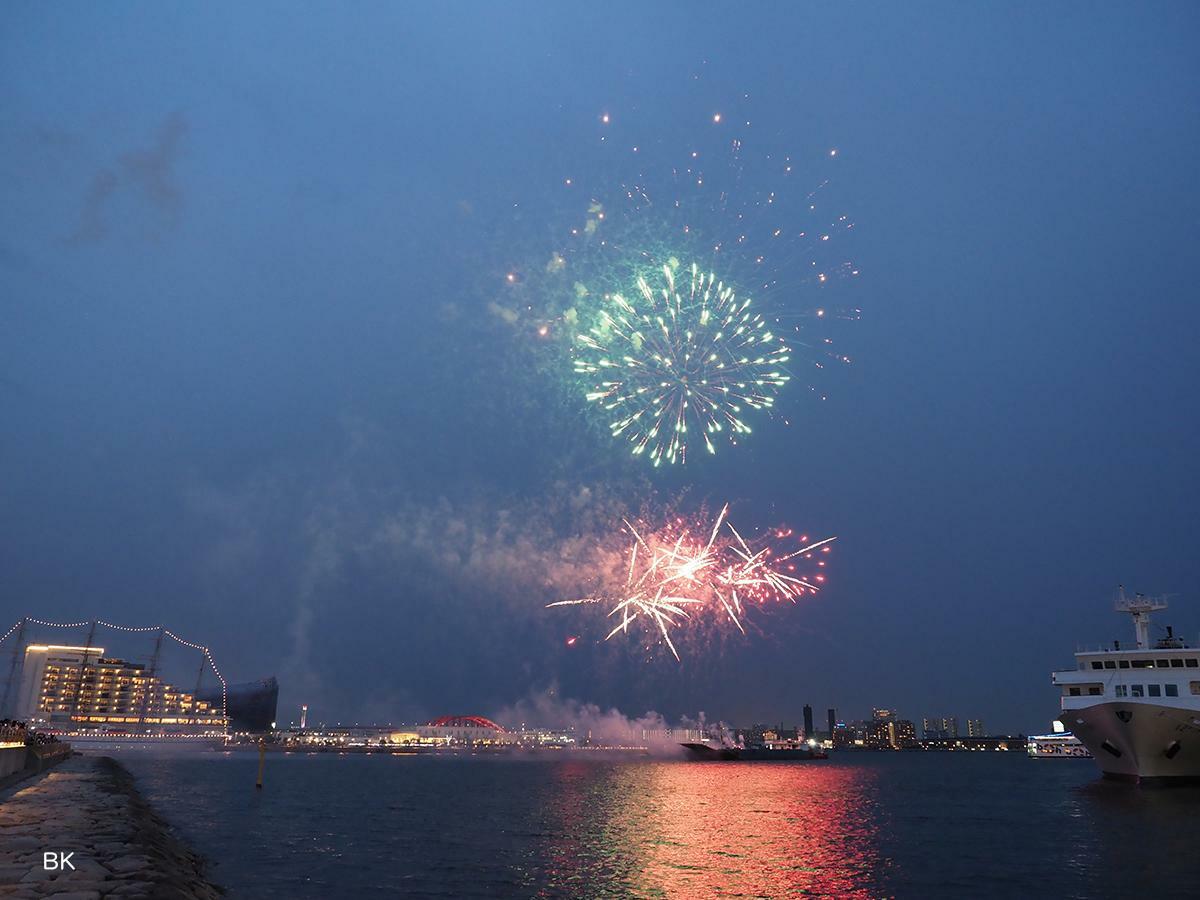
<point>857,825</point>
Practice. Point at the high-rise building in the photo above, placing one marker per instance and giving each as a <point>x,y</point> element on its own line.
<point>975,728</point>
<point>902,734</point>
<point>887,732</point>
<point>808,722</point>
<point>832,721</point>
<point>944,728</point>
<point>877,735</point>
<point>78,687</point>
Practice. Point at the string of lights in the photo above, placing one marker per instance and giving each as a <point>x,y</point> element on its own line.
<point>16,625</point>
<point>135,629</point>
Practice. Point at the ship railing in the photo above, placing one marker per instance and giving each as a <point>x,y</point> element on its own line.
<point>1131,647</point>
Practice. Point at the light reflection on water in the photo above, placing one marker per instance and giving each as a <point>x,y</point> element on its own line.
<point>859,825</point>
<point>700,829</point>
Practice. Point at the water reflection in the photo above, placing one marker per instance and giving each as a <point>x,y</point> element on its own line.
<point>710,829</point>
<point>911,825</point>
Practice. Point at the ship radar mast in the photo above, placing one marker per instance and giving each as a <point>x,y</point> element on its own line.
<point>1140,606</point>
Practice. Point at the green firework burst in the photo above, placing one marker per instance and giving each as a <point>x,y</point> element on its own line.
<point>683,357</point>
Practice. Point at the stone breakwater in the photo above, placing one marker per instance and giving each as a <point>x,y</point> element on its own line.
<point>89,807</point>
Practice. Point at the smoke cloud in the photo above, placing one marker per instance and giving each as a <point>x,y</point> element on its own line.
<point>148,174</point>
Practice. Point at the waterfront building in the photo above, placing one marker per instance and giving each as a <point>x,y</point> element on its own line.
<point>448,730</point>
<point>843,736</point>
<point>975,728</point>
<point>903,734</point>
<point>1003,742</point>
<point>878,735</point>
<point>808,721</point>
<point>886,732</point>
<point>831,720</point>
<point>69,688</point>
<point>944,728</point>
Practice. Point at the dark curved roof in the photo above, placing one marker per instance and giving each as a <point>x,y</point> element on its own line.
<point>466,722</point>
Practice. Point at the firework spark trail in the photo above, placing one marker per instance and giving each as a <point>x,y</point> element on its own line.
<point>683,355</point>
<point>681,577</point>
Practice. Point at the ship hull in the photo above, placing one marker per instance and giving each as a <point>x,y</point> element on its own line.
<point>1139,742</point>
<point>707,752</point>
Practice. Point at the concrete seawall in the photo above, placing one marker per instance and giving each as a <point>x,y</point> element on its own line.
<point>89,807</point>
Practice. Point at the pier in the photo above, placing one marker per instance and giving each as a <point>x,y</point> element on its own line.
<point>83,831</point>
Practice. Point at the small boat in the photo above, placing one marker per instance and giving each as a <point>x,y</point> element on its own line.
<point>698,750</point>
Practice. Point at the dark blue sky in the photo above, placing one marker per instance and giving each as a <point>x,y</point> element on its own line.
<point>228,237</point>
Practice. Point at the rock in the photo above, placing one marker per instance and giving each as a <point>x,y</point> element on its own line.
<point>23,842</point>
<point>86,869</point>
<point>91,806</point>
<point>124,864</point>
<point>11,874</point>
<point>131,889</point>
<point>37,873</point>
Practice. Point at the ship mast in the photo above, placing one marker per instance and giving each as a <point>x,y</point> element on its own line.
<point>1139,606</point>
<point>15,671</point>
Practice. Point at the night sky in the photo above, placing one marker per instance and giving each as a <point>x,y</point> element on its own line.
<point>251,389</point>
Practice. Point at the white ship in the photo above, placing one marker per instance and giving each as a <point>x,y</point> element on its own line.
<point>1060,744</point>
<point>1137,709</point>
